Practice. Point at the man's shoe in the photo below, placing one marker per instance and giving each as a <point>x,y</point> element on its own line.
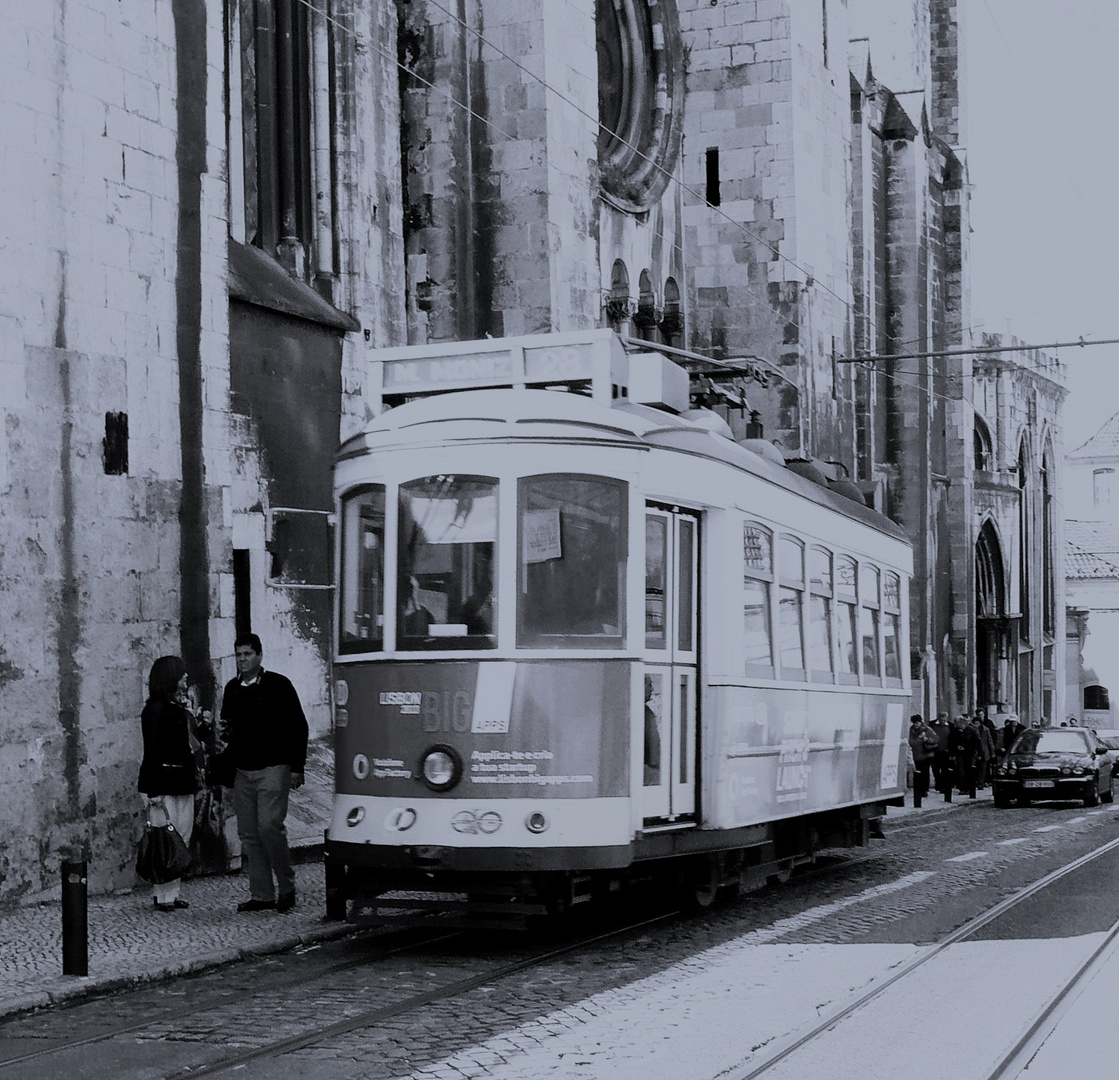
<point>164,907</point>
<point>257,905</point>
<point>286,902</point>
<point>179,904</point>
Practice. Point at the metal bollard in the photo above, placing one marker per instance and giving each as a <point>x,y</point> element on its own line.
<point>75,924</point>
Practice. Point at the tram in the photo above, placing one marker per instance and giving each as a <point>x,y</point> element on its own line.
<point>584,639</point>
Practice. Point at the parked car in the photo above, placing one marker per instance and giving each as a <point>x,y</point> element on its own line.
<point>1056,763</point>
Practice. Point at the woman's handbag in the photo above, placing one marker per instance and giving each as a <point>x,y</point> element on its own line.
<point>162,855</point>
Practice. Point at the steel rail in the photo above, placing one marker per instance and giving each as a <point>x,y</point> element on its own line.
<point>961,933</point>
<point>417,1001</point>
<point>214,1001</point>
<point>1043,1025</point>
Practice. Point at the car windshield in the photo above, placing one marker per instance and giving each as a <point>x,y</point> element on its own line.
<point>1060,741</point>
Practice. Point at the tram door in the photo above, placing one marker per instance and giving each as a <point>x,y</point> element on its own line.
<point>671,642</point>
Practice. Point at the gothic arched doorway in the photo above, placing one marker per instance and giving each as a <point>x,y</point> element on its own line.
<point>993,627</point>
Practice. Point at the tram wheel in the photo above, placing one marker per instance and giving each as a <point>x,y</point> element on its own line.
<point>781,877</point>
<point>698,891</point>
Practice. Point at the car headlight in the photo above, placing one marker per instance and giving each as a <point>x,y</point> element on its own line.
<point>1002,770</point>
<point>1079,771</point>
<point>441,767</point>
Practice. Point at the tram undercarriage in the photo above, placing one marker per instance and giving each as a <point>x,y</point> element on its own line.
<point>419,886</point>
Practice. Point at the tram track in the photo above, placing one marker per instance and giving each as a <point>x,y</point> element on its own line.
<point>365,1018</point>
<point>213,1001</point>
<point>1035,1033</point>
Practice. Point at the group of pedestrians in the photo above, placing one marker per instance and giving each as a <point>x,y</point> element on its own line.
<point>958,754</point>
<point>263,732</point>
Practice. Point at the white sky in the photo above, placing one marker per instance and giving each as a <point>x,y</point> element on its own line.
<point>1042,143</point>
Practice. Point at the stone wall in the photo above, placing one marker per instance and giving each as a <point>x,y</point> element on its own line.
<point>126,477</point>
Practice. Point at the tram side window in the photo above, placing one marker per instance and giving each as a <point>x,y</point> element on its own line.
<point>572,543</point>
<point>846,623</point>
<point>757,576</point>
<point>363,571</point>
<point>820,616</point>
<point>869,602</point>
<point>446,586</point>
<point>891,626</point>
<point>790,609</point>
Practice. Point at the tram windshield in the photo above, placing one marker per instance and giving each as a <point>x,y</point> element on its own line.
<point>445,568</point>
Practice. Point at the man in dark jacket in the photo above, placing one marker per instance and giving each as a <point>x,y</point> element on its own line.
<point>942,756</point>
<point>266,733</point>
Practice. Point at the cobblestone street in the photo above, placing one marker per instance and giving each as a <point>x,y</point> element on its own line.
<point>934,868</point>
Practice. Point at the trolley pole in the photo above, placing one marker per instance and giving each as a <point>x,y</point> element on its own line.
<point>75,924</point>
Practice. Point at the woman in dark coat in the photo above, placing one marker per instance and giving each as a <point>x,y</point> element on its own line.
<point>169,770</point>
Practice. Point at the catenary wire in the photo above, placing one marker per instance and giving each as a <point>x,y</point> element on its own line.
<point>326,16</point>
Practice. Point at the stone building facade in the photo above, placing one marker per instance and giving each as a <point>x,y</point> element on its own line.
<point>189,291</point>
<point>220,209</point>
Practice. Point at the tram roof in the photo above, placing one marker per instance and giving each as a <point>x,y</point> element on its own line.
<point>479,415</point>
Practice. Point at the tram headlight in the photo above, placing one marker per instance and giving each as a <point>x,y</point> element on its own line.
<point>356,816</point>
<point>536,822</point>
<point>441,768</point>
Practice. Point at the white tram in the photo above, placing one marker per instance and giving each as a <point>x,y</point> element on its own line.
<point>582,640</point>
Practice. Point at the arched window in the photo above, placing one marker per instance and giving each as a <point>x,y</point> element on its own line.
<point>617,302</point>
<point>990,592</point>
<point>672,321</point>
<point>983,455</point>
<point>1096,697</point>
<point>646,316</point>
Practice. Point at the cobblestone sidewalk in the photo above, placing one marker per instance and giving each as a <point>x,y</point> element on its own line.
<point>131,942</point>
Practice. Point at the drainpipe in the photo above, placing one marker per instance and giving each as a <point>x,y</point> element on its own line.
<point>324,185</point>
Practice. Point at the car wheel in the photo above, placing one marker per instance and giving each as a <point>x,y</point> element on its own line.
<point>1002,799</point>
<point>1093,796</point>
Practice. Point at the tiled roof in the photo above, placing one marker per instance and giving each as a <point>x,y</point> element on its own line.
<point>1091,550</point>
<point>1104,443</point>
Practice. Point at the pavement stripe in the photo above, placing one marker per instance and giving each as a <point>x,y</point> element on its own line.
<point>968,857</point>
<point>1049,828</point>
<point>1016,840</point>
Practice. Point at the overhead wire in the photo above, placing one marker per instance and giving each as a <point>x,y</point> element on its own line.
<point>410,71</point>
<point>446,95</point>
